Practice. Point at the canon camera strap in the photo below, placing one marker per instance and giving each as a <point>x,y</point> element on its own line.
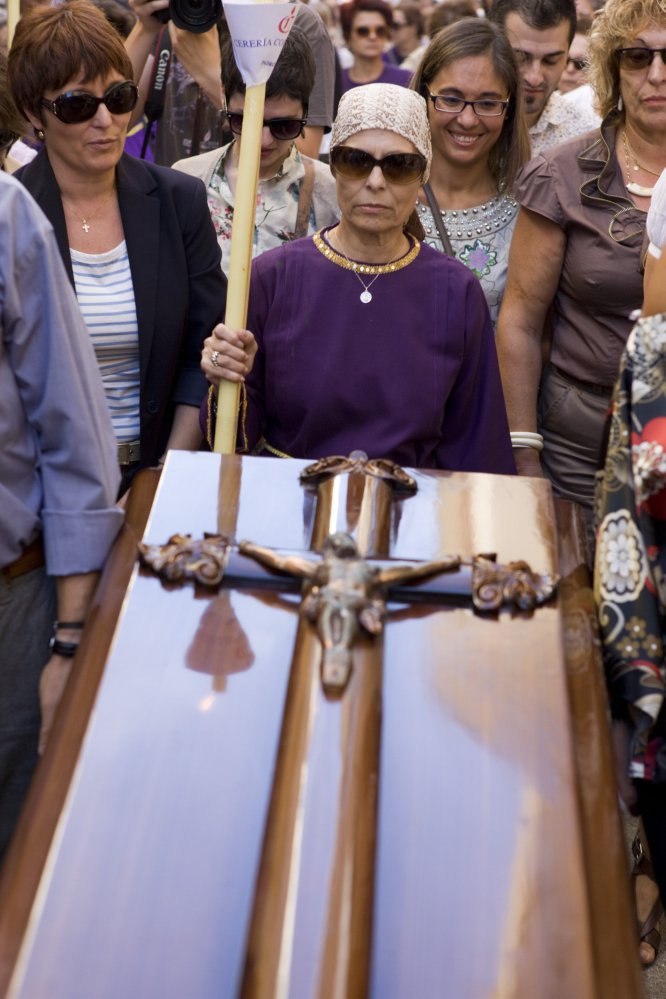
<point>154,105</point>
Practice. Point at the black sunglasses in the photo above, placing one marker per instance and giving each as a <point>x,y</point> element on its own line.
<point>280,128</point>
<point>364,31</point>
<point>398,168</point>
<point>78,105</point>
<point>639,58</point>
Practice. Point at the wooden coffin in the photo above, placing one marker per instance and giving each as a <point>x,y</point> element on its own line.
<point>208,823</point>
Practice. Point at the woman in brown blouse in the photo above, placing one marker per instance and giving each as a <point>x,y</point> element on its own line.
<point>575,261</point>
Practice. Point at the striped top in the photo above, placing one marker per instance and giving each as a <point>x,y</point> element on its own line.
<point>105,292</point>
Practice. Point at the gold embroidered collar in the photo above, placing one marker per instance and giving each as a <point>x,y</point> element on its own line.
<point>359,268</point>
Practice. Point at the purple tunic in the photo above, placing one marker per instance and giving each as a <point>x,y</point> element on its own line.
<point>412,376</point>
<point>389,74</point>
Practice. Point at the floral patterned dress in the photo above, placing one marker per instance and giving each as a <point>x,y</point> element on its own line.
<point>275,206</point>
<point>630,584</point>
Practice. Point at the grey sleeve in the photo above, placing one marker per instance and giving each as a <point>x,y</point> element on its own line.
<point>320,110</point>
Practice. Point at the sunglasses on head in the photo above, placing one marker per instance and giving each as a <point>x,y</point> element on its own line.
<point>398,168</point>
<point>78,105</point>
<point>639,58</point>
<point>363,31</point>
<point>280,128</point>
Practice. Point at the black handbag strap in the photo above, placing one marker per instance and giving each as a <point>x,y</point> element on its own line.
<point>437,219</point>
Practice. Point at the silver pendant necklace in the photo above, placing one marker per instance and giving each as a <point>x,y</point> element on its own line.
<point>365,296</point>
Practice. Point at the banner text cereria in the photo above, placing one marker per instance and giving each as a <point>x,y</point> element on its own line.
<point>258,43</point>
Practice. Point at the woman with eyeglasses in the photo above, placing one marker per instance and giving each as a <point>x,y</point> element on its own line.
<point>471,84</point>
<point>136,239</point>
<point>366,27</point>
<point>361,336</point>
<point>576,257</point>
<point>296,194</point>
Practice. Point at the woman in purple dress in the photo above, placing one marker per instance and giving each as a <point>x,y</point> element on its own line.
<point>366,26</point>
<point>363,337</point>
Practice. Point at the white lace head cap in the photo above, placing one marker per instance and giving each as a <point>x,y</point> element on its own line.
<point>387,106</point>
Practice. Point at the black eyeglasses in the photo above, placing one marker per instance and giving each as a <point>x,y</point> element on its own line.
<point>363,31</point>
<point>78,105</point>
<point>280,128</point>
<point>398,168</point>
<point>579,64</point>
<point>639,58</point>
<point>484,107</point>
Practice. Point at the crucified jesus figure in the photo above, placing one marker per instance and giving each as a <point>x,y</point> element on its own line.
<point>346,594</point>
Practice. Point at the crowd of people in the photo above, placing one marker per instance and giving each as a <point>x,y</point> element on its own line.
<point>458,221</point>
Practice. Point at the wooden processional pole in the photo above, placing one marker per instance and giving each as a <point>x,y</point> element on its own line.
<point>242,236</point>
<point>13,14</point>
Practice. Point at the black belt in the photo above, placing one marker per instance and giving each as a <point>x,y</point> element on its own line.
<point>604,390</point>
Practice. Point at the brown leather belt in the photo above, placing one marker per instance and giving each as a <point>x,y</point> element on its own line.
<point>32,558</point>
<point>129,452</point>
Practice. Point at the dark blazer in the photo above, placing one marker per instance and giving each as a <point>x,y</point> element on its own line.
<point>179,287</point>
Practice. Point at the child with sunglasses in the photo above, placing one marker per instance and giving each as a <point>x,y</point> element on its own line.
<point>296,194</point>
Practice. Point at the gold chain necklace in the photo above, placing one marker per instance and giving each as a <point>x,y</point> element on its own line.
<point>372,270</point>
<point>85,219</point>
<point>638,189</point>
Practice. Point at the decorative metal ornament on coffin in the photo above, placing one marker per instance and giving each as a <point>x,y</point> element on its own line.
<point>358,463</point>
<point>202,560</point>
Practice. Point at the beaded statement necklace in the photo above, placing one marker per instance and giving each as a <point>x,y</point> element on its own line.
<point>370,270</point>
<point>468,223</point>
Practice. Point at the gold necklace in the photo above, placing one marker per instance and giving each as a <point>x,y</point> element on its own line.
<point>85,223</point>
<point>632,187</point>
<point>372,270</point>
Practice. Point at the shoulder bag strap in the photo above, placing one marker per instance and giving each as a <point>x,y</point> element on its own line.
<point>304,200</point>
<point>437,219</point>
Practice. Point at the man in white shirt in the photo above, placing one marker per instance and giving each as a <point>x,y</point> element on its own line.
<point>540,32</point>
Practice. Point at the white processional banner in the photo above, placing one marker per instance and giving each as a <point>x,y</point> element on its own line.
<point>258,32</point>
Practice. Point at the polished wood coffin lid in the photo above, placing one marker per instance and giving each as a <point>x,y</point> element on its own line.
<point>487,882</point>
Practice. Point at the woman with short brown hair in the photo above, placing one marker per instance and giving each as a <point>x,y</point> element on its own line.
<point>136,239</point>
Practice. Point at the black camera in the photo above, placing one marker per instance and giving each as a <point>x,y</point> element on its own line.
<point>196,16</point>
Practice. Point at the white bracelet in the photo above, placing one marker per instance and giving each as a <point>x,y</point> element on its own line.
<point>526,438</point>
